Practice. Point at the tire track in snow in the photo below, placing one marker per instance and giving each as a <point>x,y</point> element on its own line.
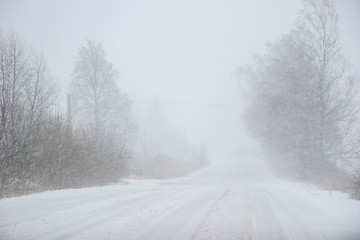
<point>55,207</point>
<point>272,221</point>
<point>131,224</point>
<point>265,223</point>
<point>183,221</point>
<point>101,215</point>
<point>230,218</point>
<point>307,231</point>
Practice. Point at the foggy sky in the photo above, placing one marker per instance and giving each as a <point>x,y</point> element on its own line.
<point>175,50</point>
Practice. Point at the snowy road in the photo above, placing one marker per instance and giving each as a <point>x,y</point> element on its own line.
<point>233,200</point>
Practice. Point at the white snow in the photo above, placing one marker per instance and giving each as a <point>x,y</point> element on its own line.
<point>232,199</point>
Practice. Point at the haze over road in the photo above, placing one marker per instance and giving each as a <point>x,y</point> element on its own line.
<point>233,199</point>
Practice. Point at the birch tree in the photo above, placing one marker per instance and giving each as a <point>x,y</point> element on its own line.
<point>101,107</point>
<point>303,98</point>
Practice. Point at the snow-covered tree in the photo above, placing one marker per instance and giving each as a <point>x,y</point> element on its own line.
<point>302,98</point>
<point>102,110</point>
<point>27,94</point>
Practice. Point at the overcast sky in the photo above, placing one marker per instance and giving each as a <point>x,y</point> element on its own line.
<point>174,50</point>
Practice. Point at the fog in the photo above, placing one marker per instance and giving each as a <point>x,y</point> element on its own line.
<point>174,51</point>
<point>179,119</point>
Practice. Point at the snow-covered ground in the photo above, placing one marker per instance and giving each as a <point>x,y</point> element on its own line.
<point>233,199</point>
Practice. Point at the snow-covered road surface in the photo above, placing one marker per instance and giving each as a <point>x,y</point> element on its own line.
<point>235,199</point>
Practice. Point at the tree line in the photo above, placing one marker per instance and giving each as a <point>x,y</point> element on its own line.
<point>93,142</point>
<point>44,148</point>
<point>303,102</point>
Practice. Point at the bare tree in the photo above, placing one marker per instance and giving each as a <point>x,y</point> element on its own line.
<point>303,101</point>
<point>99,106</point>
<point>336,90</point>
<point>95,92</point>
<point>39,150</point>
<point>26,95</point>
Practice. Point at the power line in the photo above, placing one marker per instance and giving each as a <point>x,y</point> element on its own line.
<point>191,103</point>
